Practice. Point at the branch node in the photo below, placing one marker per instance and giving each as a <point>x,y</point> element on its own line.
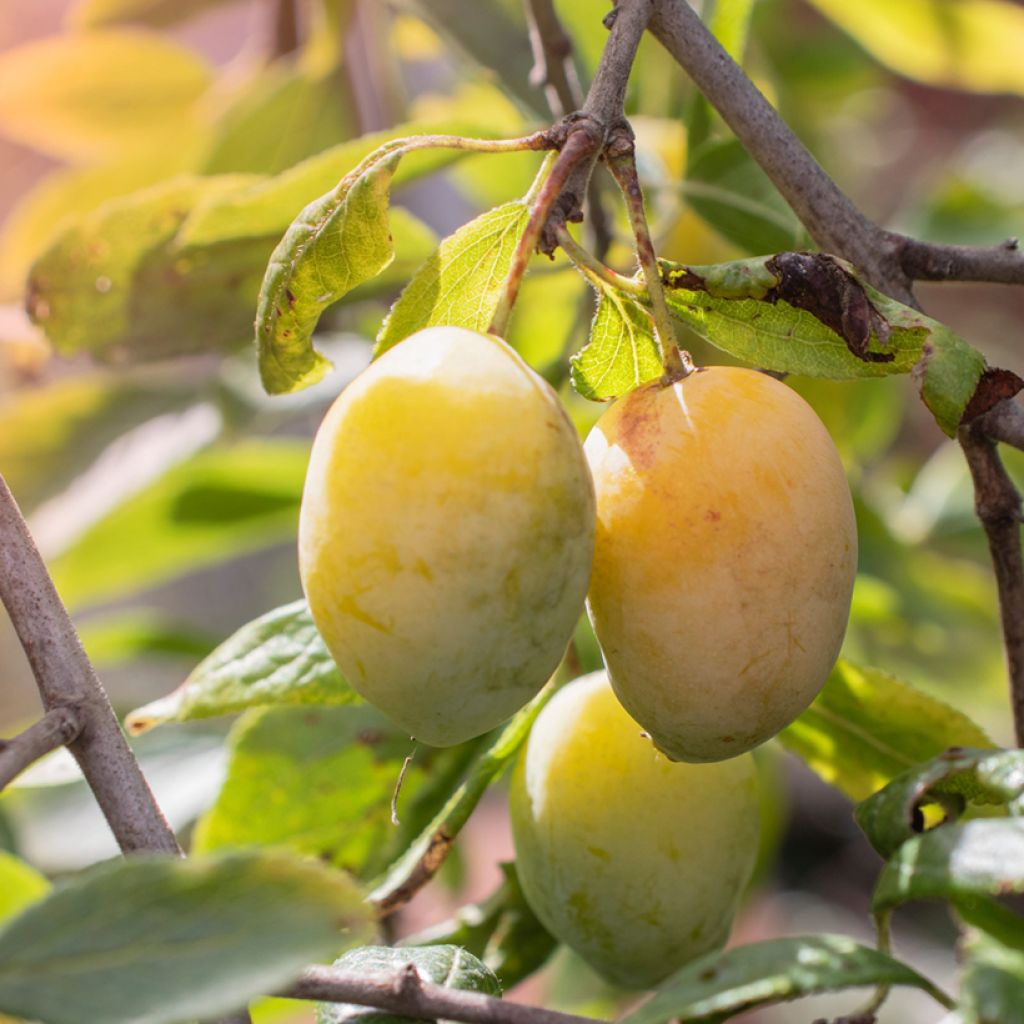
<point>408,982</point>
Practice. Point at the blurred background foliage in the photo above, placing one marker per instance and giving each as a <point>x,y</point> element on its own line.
<point>151,154</point>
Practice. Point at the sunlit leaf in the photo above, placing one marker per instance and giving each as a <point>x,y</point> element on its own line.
<point>621,353</point>
<point>282,115</point>
<point>160,940</point>
<point>952,779</point>
<point>113,284</point>
<point>960,44</point>
<point>69,193</point>
<point>220,504</point>
<point>93,95</point>
<point>276,659</point>
<point>460,285</point>
<point>269,205</point>
<point>722,984</point>
<point>866,728</point>
<point>448,966</point>
<point>338,241</point>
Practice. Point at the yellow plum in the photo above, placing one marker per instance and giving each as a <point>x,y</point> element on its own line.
<point>724,561</point>
<point>446,533</point>
<point>635,861</point>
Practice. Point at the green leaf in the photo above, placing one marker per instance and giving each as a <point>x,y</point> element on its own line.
<point>722,984</point>
<point>448,966</point>
<point>621,353</point>
<point>214,507</point>
<point>866,728</point>
<point>94,95</point>
<point>428,850</point>
<point>281,115</point>
<point>268,206</point>
<point>156,13</point>
<point>20,885</point>
<point>974,858</point>
<point>959,775</point>
<point>460,285</point>
<point>959,44</point>
<point>728,190</point>
<point>141,633</point>
<point>992,987</point>
<point>68,194</point>
<point>115,285</point>
<point>276,659</point>
<point>339,241</point>
<point>157,940</point>
<point>810,314</point>
<point>319,781</point>
<point>50,434</point>
<point>502,930</point>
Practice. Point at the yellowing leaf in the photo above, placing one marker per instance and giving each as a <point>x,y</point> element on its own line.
<point>90,96</point>
<point>73,191</point>
<point>973,45</point>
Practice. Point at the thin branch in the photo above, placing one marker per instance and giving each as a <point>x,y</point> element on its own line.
<point>592,267</point>
<point>56,728</point>
<point>606,98</point>
<point>66,680</point>
<point>285,38</point>
<point>406,993</point>
<point>998,506</point>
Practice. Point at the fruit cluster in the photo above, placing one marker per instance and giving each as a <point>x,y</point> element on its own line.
<point>451,527</point>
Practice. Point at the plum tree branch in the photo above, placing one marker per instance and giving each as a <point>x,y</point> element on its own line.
<point>406,993</point>
<point>66,680</point>
<point>553,67</point>
<point>56,728</point>
<point>890,261</point>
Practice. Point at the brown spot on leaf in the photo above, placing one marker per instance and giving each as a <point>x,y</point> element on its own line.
<point>994,387</point>
<point>290,297</point>
<point>815,282</point>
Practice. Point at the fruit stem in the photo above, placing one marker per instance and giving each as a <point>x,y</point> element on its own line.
<point>598,273</point>
<point>623,167</point>
<point>580,146</point>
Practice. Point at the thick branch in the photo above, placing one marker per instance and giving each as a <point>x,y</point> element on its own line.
<point>932,261</point>
<point>66,680</point>
<point>407,994</point>
<point>998,506</point>
<point>833,221</point>
<point>56,728</point>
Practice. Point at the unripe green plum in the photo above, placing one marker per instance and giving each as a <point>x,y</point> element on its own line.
<point>725,557</point>
<point>446,533</point>
<point>634,861</point>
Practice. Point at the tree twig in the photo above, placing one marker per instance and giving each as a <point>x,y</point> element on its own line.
<point>66,679</point>
<point>56,728</point>
<point>933,261</point>
<point>406,993</point>
<point>998,506</point>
